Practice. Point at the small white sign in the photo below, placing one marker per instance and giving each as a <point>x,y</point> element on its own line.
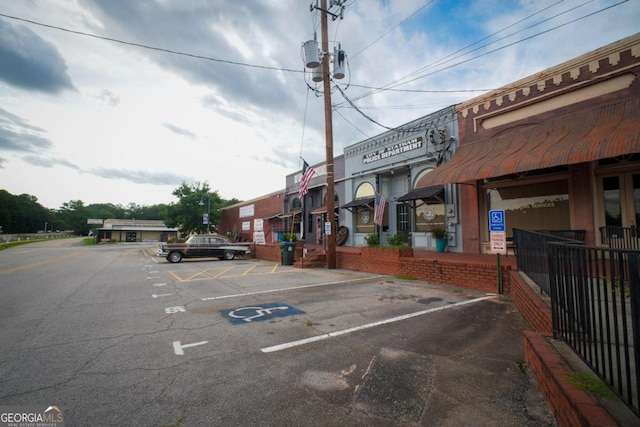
<point>258,238</point>
<point>327,228</point>
<point>258,224</point>
<point>499,242</point>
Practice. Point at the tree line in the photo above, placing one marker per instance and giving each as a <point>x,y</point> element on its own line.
<point>23,214</point>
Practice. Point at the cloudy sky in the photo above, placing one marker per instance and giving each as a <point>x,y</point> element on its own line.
<point>121,101</point>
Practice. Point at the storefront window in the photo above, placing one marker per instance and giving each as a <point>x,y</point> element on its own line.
<point>540,206</point>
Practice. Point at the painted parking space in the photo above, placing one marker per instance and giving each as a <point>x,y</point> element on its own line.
<point>226,271</point>
<point>259,313</point>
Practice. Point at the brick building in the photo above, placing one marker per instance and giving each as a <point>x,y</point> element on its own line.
<point>557,150</point>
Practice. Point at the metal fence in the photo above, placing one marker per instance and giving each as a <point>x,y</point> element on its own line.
<point>531,251</point>
<point>595,298</point>
<point>620,237</point>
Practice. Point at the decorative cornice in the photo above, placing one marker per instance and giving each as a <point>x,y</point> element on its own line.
<point>574,72</point>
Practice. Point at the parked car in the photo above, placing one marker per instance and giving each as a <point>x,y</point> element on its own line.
<point>203,246</point>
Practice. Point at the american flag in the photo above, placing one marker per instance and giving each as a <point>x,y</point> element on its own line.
<point>378,211</point>
<point>307,174</point>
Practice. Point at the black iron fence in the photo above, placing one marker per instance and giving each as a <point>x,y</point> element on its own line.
<point>620,237</point>
<point>531,251</point>
<point>595,298</point>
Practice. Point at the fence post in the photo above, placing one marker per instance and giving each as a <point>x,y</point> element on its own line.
<point>634,284</point>
<point>500,285</point>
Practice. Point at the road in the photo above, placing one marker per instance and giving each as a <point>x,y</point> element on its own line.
<point>114,336</point>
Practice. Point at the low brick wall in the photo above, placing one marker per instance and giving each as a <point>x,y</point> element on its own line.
<point>570,406</point>
<point>472,275</point>
<point>531,305</point>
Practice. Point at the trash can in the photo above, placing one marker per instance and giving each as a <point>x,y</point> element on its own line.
<point>287,249</point>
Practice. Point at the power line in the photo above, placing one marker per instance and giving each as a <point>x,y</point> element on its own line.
<point>143,46</point>
<point>399,82</point>
<point>391,29</point>
<point>422,90</point>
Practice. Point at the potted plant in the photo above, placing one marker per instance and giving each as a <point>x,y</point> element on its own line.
<point>440,235</point>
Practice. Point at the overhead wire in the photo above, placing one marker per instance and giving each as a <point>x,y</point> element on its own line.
<point>402,81</point>
<point>143,46</point>
<point>440,62</point>
<point>391,29</point>
<point>352,103</point>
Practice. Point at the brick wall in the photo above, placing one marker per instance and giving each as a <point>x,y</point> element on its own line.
<point>478,276</point>
<point>531,305</point>
<point>570,406</point>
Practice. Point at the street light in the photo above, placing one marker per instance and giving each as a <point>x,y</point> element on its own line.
<point>206,219</point>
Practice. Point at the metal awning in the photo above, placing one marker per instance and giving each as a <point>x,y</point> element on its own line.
<point>608,131</point>
<point>422,193</point>
<point>272,216</point>
<point>290,214</point>
<point>364,201</point>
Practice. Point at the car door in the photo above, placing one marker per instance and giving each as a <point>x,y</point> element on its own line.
<point>216,244</point>
<point>197,248</point>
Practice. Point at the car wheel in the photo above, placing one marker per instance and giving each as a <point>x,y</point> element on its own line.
<point>228,255</point>
<point>174,257</point>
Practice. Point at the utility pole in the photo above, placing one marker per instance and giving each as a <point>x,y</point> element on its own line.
<point>328,124</point>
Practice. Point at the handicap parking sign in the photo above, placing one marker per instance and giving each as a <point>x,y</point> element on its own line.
<point>496,220</point>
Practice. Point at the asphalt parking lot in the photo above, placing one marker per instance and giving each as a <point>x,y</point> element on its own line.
<point>130,339</point>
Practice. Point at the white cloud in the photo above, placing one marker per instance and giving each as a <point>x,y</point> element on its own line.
<point>113,122</point>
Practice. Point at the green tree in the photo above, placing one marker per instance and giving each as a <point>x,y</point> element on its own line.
<point>74,215</point>
<point>194,201</point>
<point>23,213</point>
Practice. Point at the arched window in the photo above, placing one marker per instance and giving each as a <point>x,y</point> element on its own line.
<point>364,212</point>
<point>429,212</point>
<point>365,190</point>
<point>296,204</point>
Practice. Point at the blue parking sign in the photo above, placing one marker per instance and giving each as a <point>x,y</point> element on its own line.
<point>496,220</point>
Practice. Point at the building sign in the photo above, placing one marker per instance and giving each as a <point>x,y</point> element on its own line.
<point>246,211</point>
<point>393,150</point>
<point>258,238</point>
<point>94,221</point>
<point>258,224</point>
<point>246,225</point>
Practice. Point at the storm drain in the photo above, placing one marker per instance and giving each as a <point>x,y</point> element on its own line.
<point>396,386</point>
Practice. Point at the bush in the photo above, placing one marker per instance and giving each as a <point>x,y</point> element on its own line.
<point>289,237</point>
<point>439,233</point>
<point>397,239</point>
<point>372,239</point>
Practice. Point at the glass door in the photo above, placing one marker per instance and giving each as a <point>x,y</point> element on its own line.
<point>402,216</point>
<point>621,196</point>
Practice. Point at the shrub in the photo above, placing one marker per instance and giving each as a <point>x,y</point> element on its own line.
<point>289,237</point>
<point>439,233</point>
<point>397,239</point>
<point>372,239</point>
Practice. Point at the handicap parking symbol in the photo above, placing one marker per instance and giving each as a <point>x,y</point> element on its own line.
<point>259,313</point>
<point>496,220</point>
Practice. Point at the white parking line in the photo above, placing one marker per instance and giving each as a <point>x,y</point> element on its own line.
<point>368,326</point>
<point>290,289</point>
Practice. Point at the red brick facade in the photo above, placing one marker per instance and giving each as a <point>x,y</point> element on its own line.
<point>268,208</point>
